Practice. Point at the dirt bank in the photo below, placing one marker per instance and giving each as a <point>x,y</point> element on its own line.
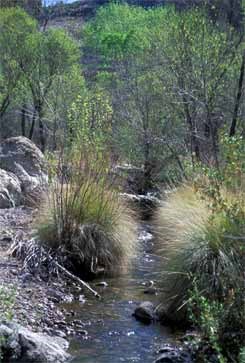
<point>36,300</point>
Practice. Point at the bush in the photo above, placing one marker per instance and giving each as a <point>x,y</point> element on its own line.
<point>207,316</point>
<point>84,219</point>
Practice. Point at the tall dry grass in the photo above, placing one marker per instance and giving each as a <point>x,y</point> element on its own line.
<point>198,245</point>
<point>84,219</point>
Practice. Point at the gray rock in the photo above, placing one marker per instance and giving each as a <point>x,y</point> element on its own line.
<point>10,190</point>
<point>21,157</point>
<point>172,354</point>
<point>22,344</point>
<point>142,200</point>
<point>145,312</point>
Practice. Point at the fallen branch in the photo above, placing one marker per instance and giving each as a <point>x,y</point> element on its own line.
<point>77,279</point>
<point>34,256</point>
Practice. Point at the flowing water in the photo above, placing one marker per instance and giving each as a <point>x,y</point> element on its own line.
<point>114,335</point>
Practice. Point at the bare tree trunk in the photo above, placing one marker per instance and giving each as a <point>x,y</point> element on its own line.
<point>4,106</point>
<point>213,133</point>
<point>23,120</point>
<point>195,148</point>
<point>238,98</point>
<point>32,125</point>
<point>41,131</point>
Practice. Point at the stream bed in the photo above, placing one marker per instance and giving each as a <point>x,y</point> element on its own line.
<point>113,334</point>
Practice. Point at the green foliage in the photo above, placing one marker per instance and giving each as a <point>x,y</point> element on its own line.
<point>7,301</point>
<point>242,356</point>
<point>90,120</point>
<point>169,74</point>
<point>15,28</point>
<point>207,316</point>
<point>221,325</point>
<point>118,31</point>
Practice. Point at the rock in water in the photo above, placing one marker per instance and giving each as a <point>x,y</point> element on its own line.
<point>19,343</point>
<point>171,354</point>
<point>145,312</point>
<point>10,190</point>
<point>21,157</point>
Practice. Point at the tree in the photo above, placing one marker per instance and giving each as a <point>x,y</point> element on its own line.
<point>32,63</point>
<point>120,37</point>
<point>15,27</point>
<point>203,59</point>
<point>48,56</point>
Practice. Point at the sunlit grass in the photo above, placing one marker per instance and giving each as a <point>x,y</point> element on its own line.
<point>200,245</point>
<point>84,218</point>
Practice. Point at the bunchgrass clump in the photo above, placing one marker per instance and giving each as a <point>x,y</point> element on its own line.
<point>83,218</point>
<point>201,245</point>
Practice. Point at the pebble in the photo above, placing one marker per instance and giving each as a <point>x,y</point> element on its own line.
<point>102,284</point>
<point>81,332</point>
<point>81,299</point>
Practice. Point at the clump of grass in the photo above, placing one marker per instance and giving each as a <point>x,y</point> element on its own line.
<point>200,245</point>
<point>7,301</point>
<point>83,218</point>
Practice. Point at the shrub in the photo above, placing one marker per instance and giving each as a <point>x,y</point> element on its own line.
<point>83,218</point>
<point>207,316</point>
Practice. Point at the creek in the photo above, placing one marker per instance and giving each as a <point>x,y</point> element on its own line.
<point>114,335</point>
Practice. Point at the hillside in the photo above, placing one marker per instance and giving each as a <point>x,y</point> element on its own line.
<point>223,10</point>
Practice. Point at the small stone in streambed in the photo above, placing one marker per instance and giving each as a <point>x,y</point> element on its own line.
<point>68,299</point>
<point>81,299</point>
<point>55,295</point>
<point>148,283</point>
<point>151,291</point>
<point>145,312</point>
<point>81,332</point>
<point>171,354</point>
<point>102,284</point>
<point>78,324</point>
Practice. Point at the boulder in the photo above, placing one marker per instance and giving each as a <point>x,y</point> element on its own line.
<point>145,312</point>
<point>20,156</point>
<point>10,190</point>
<point>21,344</point>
